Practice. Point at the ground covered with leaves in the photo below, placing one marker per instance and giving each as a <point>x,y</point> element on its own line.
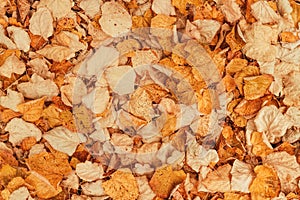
<point>150,99</point>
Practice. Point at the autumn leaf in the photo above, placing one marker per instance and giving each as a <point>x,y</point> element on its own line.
<point>266,183</point>
<point>32,110</point>
<point>121,186</point>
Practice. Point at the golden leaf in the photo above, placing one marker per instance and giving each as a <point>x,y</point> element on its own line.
<point>250,107</point>
<point>32,110</point>
<point>165,179</point>
<point>260,148</point>
<point>204,101</point>
<point>256,86</point>
<point>121,186</point>
<point>52,115</point>
<point>266,184</point>
<point>180,5</point>
<point>52,166</point>
<point>8,114</point>
<point>7,173</point>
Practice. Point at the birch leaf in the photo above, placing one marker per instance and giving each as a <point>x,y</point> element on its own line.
<point>63,140</point>
<point>231,10</point>
<point>12,100</point>
<point>58,8</point>
<point>90,7</point>
<point>11,65</point>
<point>71,40</point>
<point>163,7</point>
<point>262,11</point>
<point>272,122</point>
<point>32,110</point>
<point>115,19</point>
<point>287,168</point>
<point>38,87</point>
<point>89,171</point>
<point>56,53</point>
<point>18,130</point>
<point>5,40</point>
<point>20,37</point>
<point>41,23</point>
<point>292,89</point>
<point>242,176</point>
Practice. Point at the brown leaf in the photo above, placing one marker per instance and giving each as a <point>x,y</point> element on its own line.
<point>165,179</point>
<point>248,107</point>
<point>121,186</point>
<point>32,110</point>
<point>260,148</point>
<point>23,8</point>
<point>266,184</point>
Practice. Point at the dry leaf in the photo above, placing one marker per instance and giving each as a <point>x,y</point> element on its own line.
<point>266,184</point>
<point>19,130</point>
<point>292,89</point>
<point>121,79</point>
<point>287,168</point>
<point>115,19</point>
<point>262,11</point>
<point>23,8</point>
<point>71,40</point>
<point>41,185</point>
<point>163,7</point>
<point>218,180</point>
<point>56,53</point>
<point>144,58</point>
<point>11,65</point>
<point>93,189</point>
<point>53,166</point>
<point>121,186</point>
<point>248,107</point>
<point>145,190</point>
<point>63,140</point>
<point>5,40</point>
<point>272,122</point>
<point>89,171</point>
<point>241,176</point>
<point>236,65</point>
<point>197,156</point>
<point>161,25</point>
<point>20,194</point>
<point>71,181</point>
<point>165,179</point>
<point>41,23</point>
<point>256,86</point>
<point>231,10</point>
<point>180,5</point>
<point>20,37</point>
<point>97,100</point>
<point>261,146</point>
<point>90,7</point>
<point>52,115</point>
<point>58,8</point>
<point>293,113</point>
<point>38,87</point>
<point>40,67</point>
<point>11,100</point>
<point>32,110</point>
<point>202,30</point>
<point>231,196</point>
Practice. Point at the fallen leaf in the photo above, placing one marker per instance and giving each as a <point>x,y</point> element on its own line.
<point>19,130</point>
<point>8,114</point>
<point>180,5</point>
<point>89,171</point>
<point>266,184</point>
<point>40,67</point>
<point>56,53</point>
<point>58,8</point>
<point>71,181</point>
<point>115,19</point>
<point>248,107</point>
<point>52,115</point>
<point>52,166</point>
<point>71,40</point>
<point>163,7</point>
<point>287,168</point>
<point>5,40</point>
<point>202,30</point>
<point>262,11</point>
<point>23,8</point>
<point>231,10</point>
<point>20,193</point>
<point>292,89</point>
<point>241,176</point>
<point>145,190</point>
<point>38,87</point>
<point>7,173</point>
<point>11,100</point>
<point>230,196</point>
<point>261,146</point>
<point>20,37</point>
<point>256,86</point>
<point>272,122</point>
<point>63,140</point>
<point>97,100</point>
<point>121,186</point>
<point>41,23</point>
<point>91,7</point>
<point>145,57</point>
<point>218,180</point>
<point>32,110</point>
<point>165,179</point>
<point>161,25</point>
<point>236,65</point>
<point>41,185</point>
<point>11,65</point>
<point>93,189</point>
<point>293,113</point>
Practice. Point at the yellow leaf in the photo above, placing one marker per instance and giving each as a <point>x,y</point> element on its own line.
<point>32,110</point>
<point>7,173</point>
<point>266,185</point>
<point>256,86</point>
<point>52,116</point>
